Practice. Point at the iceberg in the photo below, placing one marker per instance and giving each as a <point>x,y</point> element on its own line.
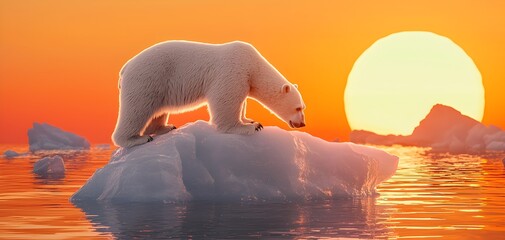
<point>46,137</point>
<point>50,166</point>
<point>444,129</point>
<point>196,162</point>
<point>10,154</point>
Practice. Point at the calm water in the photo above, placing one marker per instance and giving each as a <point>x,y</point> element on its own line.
<point>431,196</point>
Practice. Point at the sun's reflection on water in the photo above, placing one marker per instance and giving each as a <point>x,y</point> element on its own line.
<point>436,193</point>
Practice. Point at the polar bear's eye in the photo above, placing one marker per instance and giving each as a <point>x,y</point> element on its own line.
<point>299,109</point>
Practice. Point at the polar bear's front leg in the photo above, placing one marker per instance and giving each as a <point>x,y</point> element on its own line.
<point>226,114</point>
<point>243,118</point>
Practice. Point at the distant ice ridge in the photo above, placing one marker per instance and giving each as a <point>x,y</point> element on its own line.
<point>196,162</point>
<point>46,137</point>
<point>444,129</point>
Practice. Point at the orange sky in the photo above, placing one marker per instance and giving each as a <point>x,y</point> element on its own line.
<point>59,60</point>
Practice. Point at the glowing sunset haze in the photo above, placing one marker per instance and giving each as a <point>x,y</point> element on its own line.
<point>60,60</point>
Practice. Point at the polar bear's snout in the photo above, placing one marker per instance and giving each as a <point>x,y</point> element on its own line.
<point>298,120</point>
<point>296,125</point>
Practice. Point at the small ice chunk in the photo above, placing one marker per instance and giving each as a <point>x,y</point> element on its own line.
<point>197,162</point>
<point>10,154</point>
<point>102,146</point>
<point>46,137</point>
<point>49,166</point>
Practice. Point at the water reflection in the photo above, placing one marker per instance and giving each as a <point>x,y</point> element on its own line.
<point>430,196</point>
<point>443,195</point>
<point>349,218</point>
<point>49,179</point>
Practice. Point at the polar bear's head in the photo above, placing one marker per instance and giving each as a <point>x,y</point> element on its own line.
<point>289,106</point>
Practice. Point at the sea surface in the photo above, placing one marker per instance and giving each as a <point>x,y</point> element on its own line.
<point>432,196</point>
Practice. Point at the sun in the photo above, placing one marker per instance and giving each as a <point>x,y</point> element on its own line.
<point>396,81</point>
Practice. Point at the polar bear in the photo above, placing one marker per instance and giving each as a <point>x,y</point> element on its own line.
<point>180,76</point>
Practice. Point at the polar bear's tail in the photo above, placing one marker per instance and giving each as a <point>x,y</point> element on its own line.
<point>121,76</point>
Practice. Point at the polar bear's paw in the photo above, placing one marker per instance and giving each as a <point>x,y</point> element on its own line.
<point>165,129</point>
<point>246,129</point>
<point>257,126</point>
<point>134,141</point>
<point>247,120</point>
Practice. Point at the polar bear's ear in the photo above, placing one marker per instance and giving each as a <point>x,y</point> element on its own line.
<point>296,85</point>
<point>286,88</point>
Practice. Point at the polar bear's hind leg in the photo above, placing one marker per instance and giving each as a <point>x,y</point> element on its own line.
<point>159,126</point>
<point>130,123</point>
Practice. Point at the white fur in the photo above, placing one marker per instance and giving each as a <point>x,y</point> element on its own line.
<point>179,76</point>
